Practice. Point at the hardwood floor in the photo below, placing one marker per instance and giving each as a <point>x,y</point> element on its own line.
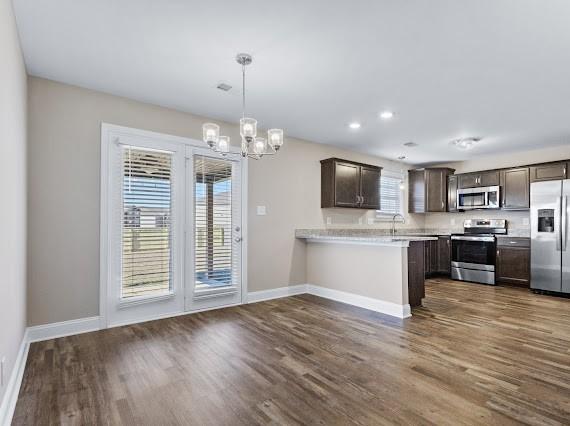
<point>473,355</point>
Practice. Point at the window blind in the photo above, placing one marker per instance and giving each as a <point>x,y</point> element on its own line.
<point>213,222</point>
<point>146,229</point>
<point>390,194</point>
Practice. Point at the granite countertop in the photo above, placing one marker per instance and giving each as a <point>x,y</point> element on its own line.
<point>384,235</point>
<point>361,235</point>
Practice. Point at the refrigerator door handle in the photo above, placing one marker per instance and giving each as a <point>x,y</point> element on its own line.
<point>563,225</point>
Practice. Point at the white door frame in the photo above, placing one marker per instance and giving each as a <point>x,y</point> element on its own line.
<point>110,133</point>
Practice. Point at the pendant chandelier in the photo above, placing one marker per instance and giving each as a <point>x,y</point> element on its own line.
<point>252,146</point>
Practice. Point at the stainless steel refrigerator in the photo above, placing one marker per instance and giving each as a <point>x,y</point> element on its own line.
<point>550,251</point>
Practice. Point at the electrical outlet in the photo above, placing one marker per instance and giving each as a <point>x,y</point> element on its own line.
<point>2,362</point>
<point>526,221</point>
<point>370,221</point>
<point>360,221</point>
<point>329,220</point>
<point>452,222</point>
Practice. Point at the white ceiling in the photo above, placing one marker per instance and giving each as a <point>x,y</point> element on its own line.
<point>496,69</point>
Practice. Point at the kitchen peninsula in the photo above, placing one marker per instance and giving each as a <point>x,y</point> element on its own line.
<point>377,271</point>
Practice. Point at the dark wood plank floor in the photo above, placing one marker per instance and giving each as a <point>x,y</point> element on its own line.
<point>473,355</point>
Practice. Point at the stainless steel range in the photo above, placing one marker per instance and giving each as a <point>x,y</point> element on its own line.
<point>473,252</point>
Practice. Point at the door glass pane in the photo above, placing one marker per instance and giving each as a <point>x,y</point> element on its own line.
<point>146,231</point>
<point>213,222</point>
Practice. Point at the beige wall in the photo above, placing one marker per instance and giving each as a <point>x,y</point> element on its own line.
<point>64,180</point>
<point>13,176</point>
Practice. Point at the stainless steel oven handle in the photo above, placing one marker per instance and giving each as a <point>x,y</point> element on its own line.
<point>470,238</point>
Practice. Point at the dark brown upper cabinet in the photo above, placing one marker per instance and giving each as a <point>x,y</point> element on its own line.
<point>427,189</point>
<point>452,181</point>
<point>515,188</point>
<point>473,180</point>
<point>550,171</point>
<point>349,184</point>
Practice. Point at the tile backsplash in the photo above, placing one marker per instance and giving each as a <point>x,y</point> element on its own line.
<point>518,221</point>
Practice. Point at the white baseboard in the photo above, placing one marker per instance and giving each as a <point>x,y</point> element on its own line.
<point>388,308</point>
<point>62,329</point>
<point>275,293</point>
<point>13,387</point>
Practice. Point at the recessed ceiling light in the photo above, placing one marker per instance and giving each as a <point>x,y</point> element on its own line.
<point>354,125</point>
<point>465,143</point>
<point>411,144</point>
<point>386,115</point>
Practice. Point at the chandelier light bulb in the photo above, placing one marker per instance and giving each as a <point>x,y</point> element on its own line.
<point>223,144</point>
<point>259,146</point>
<point>275,137</point>
<point>210,133</point>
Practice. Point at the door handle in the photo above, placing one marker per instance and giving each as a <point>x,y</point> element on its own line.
<point>559,230</point>
<point>563,223</point>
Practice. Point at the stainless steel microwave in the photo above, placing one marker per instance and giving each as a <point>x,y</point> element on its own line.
<point>484,197</point>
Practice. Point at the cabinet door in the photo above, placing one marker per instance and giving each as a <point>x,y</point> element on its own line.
<point>347,184</point>
<point>452,193</point>
<point>436,190</point>
<point>434,256</point>
<point>444,255</point>
<point>469,180</point>
<point>416,191</point>
<point>552,171</point>
<point>370,187</point>
<point>515,187</point>
<point>489,178</point>
<point>513,265</point>
<point>427,259</point>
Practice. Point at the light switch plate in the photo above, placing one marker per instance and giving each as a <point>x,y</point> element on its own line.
<point>525,221</point>
<point>329,220</point>
<point>261,210</point>
<point>360,221</point>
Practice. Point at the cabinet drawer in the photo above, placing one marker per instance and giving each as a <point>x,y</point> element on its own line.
<point>513,242</point>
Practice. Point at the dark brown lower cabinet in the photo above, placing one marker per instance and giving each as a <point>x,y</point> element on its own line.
<point>444,255</point>
<point>416,278</point>
<point>437,256</point>
<point>513,261</point>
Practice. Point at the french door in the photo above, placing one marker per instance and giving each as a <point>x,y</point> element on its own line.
<point>174,231</point>
<point>214,243</point>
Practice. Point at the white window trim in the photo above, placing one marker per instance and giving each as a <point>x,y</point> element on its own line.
<point>381,216</point>
<point>105,237</point>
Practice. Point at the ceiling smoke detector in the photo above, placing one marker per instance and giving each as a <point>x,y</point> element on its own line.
<point>465,143</point>
<point>411,144</point>
<point>223,86</point>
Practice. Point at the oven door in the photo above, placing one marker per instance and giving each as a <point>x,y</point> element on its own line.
<point>473,252</point>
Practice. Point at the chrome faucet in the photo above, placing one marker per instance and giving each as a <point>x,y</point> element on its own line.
<point>394,223</point>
